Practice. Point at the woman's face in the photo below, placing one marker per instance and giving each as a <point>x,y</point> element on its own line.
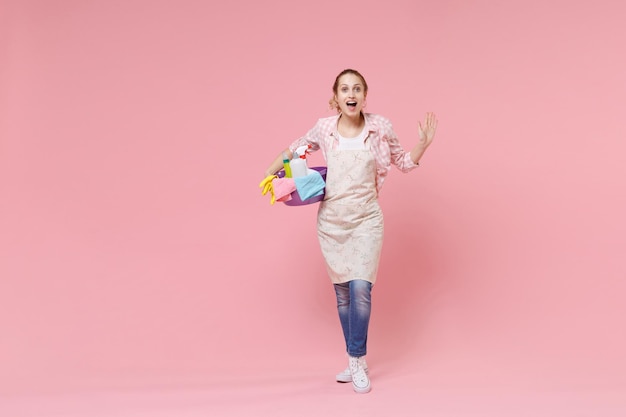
<point>350,94</point>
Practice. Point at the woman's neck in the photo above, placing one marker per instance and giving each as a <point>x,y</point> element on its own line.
<point>349,127</point>
<point>352,122</point>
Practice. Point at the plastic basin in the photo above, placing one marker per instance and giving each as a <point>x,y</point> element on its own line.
<point>295,197</point>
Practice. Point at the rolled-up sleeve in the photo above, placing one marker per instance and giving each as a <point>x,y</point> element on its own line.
<point>398,156</point>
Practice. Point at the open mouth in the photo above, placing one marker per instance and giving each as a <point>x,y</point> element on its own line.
<point>351,104</point>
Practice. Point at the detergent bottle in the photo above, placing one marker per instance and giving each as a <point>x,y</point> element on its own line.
<point>286,166</point>
<point>298,164</point>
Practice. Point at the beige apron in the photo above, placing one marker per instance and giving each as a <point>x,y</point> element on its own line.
<point>349,220</point>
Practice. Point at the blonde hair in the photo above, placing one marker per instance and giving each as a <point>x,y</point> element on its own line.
<point>332,103</point>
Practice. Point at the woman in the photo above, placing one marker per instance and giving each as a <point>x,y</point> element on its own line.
<point>359,149</point>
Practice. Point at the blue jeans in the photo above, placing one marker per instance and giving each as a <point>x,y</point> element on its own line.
<point>354,303</point>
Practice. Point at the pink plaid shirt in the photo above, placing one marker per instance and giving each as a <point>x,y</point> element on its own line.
<point>384,143</point>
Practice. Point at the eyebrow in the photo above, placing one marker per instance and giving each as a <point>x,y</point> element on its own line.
<point>347,85</point>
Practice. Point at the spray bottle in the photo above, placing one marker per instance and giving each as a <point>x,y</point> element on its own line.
<point>298,164</point>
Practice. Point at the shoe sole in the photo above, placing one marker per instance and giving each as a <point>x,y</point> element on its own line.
<point>347,378</point>
<point>362,390</point>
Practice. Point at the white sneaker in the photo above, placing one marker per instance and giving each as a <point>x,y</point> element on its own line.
<point>346,375</point>
<point>360,381</point>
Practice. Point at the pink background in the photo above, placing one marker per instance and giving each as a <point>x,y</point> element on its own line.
<point>142,272</point>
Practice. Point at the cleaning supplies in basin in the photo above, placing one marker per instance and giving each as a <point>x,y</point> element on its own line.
<point>298,164</point>
<point>311,185</point>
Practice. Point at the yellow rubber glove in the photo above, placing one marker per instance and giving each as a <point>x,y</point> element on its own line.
<point>267,186</point>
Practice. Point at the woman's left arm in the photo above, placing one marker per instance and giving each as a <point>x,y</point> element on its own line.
<point>426,134</point>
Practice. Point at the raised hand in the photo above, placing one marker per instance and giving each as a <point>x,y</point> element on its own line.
<point>427,130</point>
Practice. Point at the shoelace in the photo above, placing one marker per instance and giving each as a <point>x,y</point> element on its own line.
<point>360,376</point>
